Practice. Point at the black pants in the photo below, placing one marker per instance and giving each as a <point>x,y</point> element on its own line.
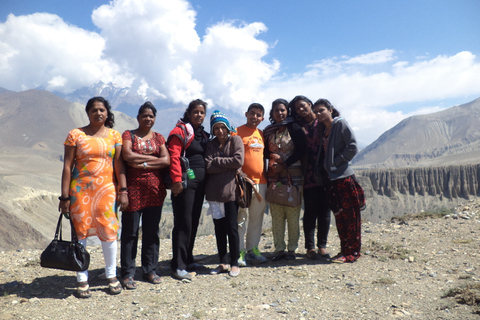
<point>187,208</point>
<point>317,213</point>
<point>228,227</point>
<point>150,241</point>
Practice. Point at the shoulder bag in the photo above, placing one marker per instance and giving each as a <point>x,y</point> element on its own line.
<point>244,189</point>
<point>65,255</point>
<point>285,194</point>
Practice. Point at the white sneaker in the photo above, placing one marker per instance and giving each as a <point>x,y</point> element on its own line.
<point>241,259</point>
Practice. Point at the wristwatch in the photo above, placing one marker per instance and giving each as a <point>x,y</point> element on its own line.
<point>144,165</point>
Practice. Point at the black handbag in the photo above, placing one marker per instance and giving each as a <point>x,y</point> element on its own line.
<point>65,255</point>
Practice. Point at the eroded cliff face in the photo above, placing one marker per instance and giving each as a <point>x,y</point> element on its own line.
<point>395,192</point>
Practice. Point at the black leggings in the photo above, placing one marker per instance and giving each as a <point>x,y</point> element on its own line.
<point>187,208</point>
<point>228,227</point>
<point>316,212</point>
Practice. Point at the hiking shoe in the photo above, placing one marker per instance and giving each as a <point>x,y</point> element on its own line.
<point>256,256</point>
<point>241,259</point>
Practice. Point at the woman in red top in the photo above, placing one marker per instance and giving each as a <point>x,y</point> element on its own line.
<point>187,196</point>
<point>145,153</point>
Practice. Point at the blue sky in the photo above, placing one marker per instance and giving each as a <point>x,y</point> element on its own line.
<point>377,61</point>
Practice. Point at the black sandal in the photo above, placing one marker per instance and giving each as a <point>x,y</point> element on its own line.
<point>114,286</point>
<point>152,278</point>
<point>129,283</point>
<point>83,290</point>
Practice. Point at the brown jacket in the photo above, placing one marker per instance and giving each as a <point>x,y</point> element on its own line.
<point>222,164</point>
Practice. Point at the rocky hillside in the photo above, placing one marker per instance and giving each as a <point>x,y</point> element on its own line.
<point>444,138</point>
<point>393,192</point>
<point>33,127</point>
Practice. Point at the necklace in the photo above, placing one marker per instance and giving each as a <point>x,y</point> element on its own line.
<point>95,135</point>
<point>145,146</point>
<point>278,139</point>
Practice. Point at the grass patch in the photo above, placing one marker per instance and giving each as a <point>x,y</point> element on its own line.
<point>300,274</point>
<point>198,314</point>
<point>384,252</point>
<point>33,263</point>
<point>440,213</point>
<point>468,294</point>
<point>462,241</point>
<point>384,281</point>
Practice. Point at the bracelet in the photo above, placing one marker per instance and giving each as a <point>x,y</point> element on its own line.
<point>123,192</point>
<point>64,198</point>
<point>122,189</point>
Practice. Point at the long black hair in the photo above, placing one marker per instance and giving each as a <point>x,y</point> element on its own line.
<point>328,105</point>
<point>291,106</point>
<point>274,105</point>
<point>192,106</point>
<point>110,122</point>
<point>145,106</point>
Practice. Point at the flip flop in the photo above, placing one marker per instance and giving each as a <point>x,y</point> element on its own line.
<point>234,272</point>
<point>114,286</point>
<point>220,269</point>
<point>129,283</point>
<point>152,278</point>
<point>83,290</point>
<point>339,259</point>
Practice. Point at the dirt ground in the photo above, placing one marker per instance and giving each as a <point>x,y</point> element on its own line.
<point>405,271</point>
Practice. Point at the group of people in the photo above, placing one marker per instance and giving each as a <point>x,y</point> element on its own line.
<point>307,146</point>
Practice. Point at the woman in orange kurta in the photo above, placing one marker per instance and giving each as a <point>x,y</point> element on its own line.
<point>93,169</point>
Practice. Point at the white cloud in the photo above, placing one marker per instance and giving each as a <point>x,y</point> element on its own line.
<point>230,65</point>
<point>40,49</point>
<point>155,41</point>
<point>373,58</point>
<point>151,46</point>
<point>154,47</point>
<point>367,99</point>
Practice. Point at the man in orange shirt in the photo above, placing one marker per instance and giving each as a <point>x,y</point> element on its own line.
<point>250,220</point>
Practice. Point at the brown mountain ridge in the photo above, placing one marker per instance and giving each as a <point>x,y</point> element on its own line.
<point>448,137</point>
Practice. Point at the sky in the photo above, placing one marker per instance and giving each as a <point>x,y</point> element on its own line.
<point>377,61</point>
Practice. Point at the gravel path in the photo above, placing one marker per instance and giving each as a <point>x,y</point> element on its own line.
<point>405,271</point>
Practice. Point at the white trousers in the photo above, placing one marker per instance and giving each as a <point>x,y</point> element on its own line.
<point>250,220</point>
<point>109,255</point>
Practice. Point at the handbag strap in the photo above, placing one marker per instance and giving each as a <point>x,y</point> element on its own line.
<point>58,231</point>
<point>289,178</point>
<point>73,231</point>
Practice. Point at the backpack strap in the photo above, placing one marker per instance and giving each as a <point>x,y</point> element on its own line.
<point>180,137</point>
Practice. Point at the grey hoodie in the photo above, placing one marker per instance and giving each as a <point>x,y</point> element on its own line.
<point>341,148</point>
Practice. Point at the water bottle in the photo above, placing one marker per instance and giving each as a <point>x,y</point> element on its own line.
<point>190,174</point>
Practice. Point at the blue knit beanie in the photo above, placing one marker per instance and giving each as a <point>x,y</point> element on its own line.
<point>219,117</point>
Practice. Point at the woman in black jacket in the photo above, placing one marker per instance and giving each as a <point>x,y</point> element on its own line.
<point>315,194</point>
<point>286,145</point>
